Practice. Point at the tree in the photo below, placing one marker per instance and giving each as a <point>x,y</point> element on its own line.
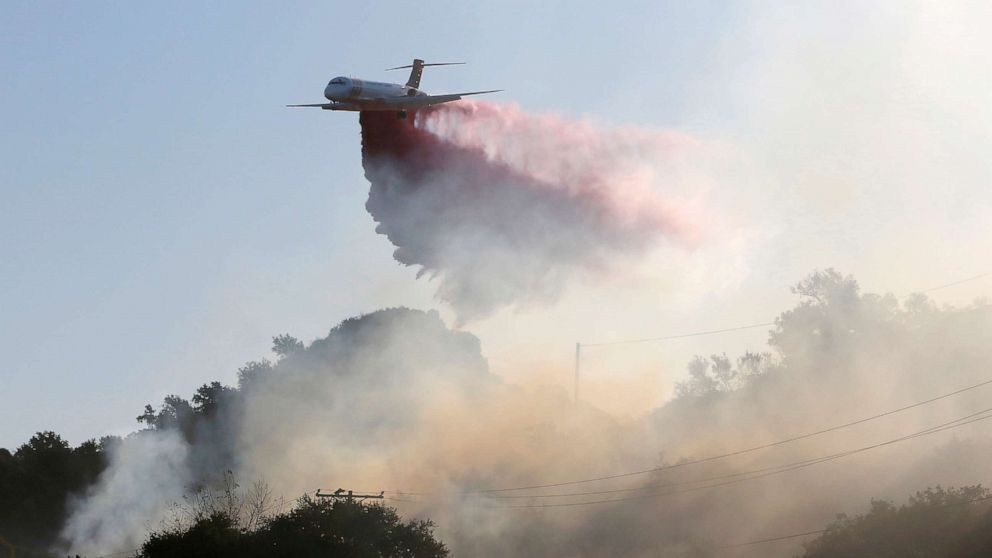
<point>247,507</point>
<point>828,288</point>
<point>318,527</point>
<point>252,372</point>
<point>175,412</point>
<point>315,527</point>
<point>35,482</point>
<point>718,374</point>
<point>822,322</point>
<point>213,536</point>
<point>285,345</point>
<point>934,523</point>
<point>211,397</point>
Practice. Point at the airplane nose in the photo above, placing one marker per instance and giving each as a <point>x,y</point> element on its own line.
<point>336,91</point>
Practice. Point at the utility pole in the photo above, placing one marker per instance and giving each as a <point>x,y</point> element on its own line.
<point>578,356</point>
<point>349,495</point>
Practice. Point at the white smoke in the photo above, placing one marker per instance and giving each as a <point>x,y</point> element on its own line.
<point>148,472</point>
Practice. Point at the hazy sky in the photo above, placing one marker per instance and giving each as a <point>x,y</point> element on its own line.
<point>162,215</point>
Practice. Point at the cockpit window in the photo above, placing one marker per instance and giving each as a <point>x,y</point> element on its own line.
<point>337,81</point>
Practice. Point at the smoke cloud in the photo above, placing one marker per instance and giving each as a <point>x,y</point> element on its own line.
<point>147,471</point>
<point>503,207</point>
<point>397,401</point>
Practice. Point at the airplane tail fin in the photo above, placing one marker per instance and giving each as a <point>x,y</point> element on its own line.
<point>417,70</point>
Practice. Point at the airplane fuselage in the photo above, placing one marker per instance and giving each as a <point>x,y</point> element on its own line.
<point>359,94</point>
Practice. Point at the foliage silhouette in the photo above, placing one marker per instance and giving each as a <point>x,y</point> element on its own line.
<point>315,527</point>
<point>36,482</point>
<point>934,523</point>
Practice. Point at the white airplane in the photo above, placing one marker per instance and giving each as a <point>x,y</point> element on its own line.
<point>352,94</point>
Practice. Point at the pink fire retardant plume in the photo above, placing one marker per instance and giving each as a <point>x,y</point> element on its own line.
<point>504,207</point>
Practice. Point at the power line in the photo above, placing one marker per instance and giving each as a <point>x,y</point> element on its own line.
<point>954,283</point>
<point>736,478</point>
<point>760,472</point>
<point>728,454</point>
<point>715,457</point>
<point>774,539</point>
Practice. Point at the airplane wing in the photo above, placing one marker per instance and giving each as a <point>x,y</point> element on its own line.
<point>427,100</point>
<point>317,105</point>
<point>332,106</point>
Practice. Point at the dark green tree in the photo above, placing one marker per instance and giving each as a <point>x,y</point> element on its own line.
<point>209,398</point>
<point>175,412</point>
<point>36,482</point>
<point>315,527</point>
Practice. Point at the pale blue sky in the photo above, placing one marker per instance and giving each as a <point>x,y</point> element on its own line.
<point>162,214</point>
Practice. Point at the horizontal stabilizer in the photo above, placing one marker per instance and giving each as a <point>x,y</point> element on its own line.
<point>418,70</point>
<point>428,64</point>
